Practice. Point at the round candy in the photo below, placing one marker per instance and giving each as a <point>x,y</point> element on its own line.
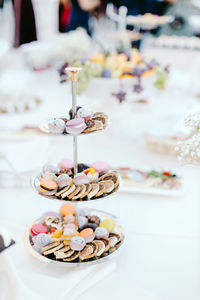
<point>101,233</point>
<point>66,163</point>
<point>85,114</point>
<point>51,214</point>
<point>57,235</point>
<point>67,209</point>
<point>84,212</point>
<point>82,221</point>
<point>41,240</point>
<point>77,243</point>
<point>69,219</point>
<point>70,225</point>
<point>37,229</point>
<point>56,125</point>
<point>50,168</point>
<point>70,232</point>
<point>81,178</point>
<point>87,234</point>
<point>100,166</point>
<point>108,224</point>
<point>51,176</point>
<point>63,180</point>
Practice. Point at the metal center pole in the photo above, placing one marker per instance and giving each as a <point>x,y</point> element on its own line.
<point>75,146</point>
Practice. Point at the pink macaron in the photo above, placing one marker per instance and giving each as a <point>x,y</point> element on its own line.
<point>100,167</point>
<point>37,229</point>
<point>75,126</point>
<point>81,178</point>
<point>66,163</point>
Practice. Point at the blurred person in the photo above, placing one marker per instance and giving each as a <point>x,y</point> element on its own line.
<point>81,10</point>
<point>25,29</point>
<point>180,10</point>
<point>65,10</point>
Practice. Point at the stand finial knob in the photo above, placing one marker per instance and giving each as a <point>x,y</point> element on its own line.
<point>73,73</point>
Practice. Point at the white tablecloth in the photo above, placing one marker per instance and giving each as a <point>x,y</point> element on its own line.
<point>160,258</point>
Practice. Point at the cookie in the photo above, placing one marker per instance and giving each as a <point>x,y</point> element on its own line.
<point>94,191</point>
<point>81,192</point>
<point>100,247</point>
<point>69,192</point>
<point>108,185</point>
<point>101,191</point>
<point>111,176</point>
<point>75,192</point>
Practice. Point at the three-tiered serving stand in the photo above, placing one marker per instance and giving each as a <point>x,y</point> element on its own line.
<point>73,76</point>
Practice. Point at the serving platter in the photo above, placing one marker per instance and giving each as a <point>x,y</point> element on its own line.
<point>118,229</point>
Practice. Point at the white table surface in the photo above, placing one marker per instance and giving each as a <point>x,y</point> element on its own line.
<point>160,258</point>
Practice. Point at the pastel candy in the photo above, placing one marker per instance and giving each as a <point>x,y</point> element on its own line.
<point>67,209</point>
<point>41,240</point>
<point>50,168</point>
<point>77,243</point>
<point>63,180</point>
<point>70,225</point>
<point>82,221</point>
<point>69,219</point>
<point>57,235</point>
<point>84,212</point>
<point>81,178</point>
<point>56,125</point>
<point>87,234</point>
<point>100,166</point>
<point>66,163</point>
<point>101,233</point>
<point>38,228</point>
<point>75,126</point>
<point>108,224</point>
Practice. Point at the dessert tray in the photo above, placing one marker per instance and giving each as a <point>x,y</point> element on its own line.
<point>18,103</point>
<point>85,122</point>
<point>90,183</point>
<point>153,182</point>
<point>74,237</point>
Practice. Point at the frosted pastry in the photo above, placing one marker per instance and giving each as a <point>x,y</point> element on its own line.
<point>81,178</point>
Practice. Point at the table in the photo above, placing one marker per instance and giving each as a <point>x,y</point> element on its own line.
<point>160,258</point>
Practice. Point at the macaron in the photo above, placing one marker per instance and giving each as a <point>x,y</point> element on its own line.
<point>87,234</point>
<point>69,219</point>
<point>49,175</point>
<point>100,167</point>
<point>41,240</point>
<point>48,187</point>
<point>63,180</point>
<point>50,169</point>
<point>77,243</point>
<point>66,163</point>
<point>101,233</point>
<point>37,229</point>
<point>56,126</point>
<point>75,126</point>
<point>82,221</point>
<point>108,224</point>
<point>84,212</point>
<point>70,225</point>
<point>81,178</point>
<point>85,114</point>
<point>67,209</point>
